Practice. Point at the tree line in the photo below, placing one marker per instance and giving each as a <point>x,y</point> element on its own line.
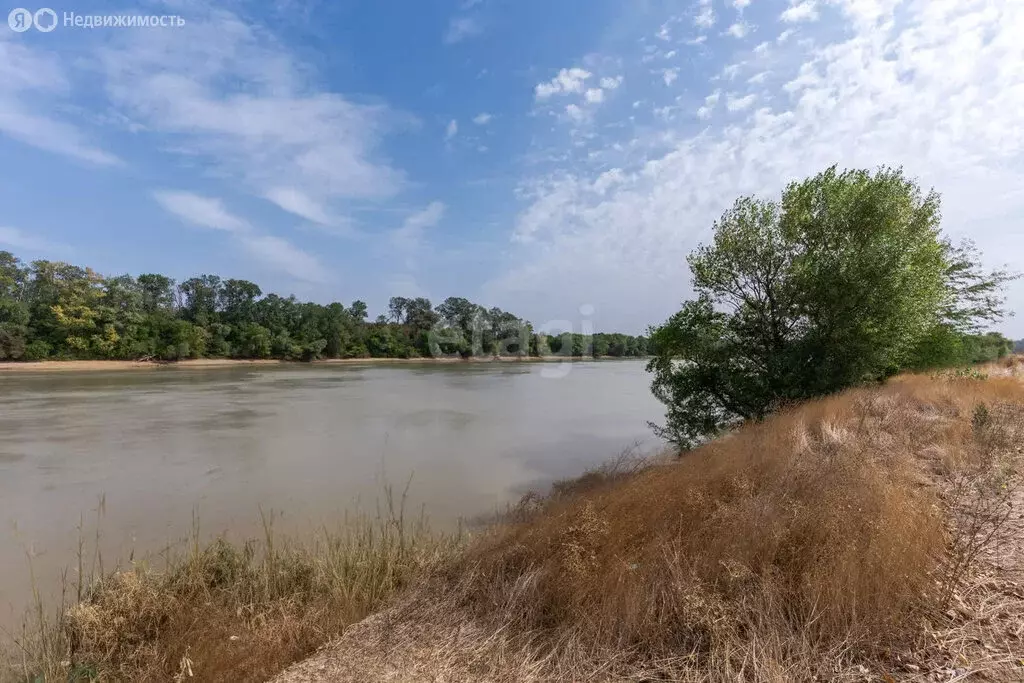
<point>846,279</point>
<point>55,310</point>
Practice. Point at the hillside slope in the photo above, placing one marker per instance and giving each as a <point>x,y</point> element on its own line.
<point>874,535</point>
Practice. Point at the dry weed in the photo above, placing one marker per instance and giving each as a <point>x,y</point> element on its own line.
<point>229,612</point>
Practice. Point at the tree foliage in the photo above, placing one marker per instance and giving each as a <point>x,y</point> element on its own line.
<point>57,310</point>
<point>847,279</point>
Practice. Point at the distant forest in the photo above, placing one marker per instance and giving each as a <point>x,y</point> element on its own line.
<point>55,310</point>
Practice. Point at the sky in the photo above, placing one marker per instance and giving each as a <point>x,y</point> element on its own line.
<point>556,158</point>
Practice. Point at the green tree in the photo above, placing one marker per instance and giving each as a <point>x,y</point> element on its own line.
<point>14,312</point>
<point>236,300</point>
<point>64,304</point>
<point>200,296</point>
<point>845,280</point>
<point>13,277</point>
<point>157,293</point>
<point>462,330</point>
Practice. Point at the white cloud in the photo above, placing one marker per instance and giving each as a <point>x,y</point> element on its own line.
<point>594,95</point>
<point>297,202</point>
<point>406,285</point>
<point>575,112</point>
<point>785,35</point>
<point>235,99</point>
<point>285,257</point>
<point>206,212</point>
<point>567,81</point>
<point>482,119</point>
<point>669,76</point>
<point>409,237</point>
<point>461,28</point>
<point>740,4</point>
<point>451,130</point>
<point>16,239</point>
<point>611,83</point>
<point>709,105</point>
<point>805,10</point>
<point>274,252</point>
<point>759,78</point>
<point>736,103</point>
<point>32,86</point>
<point>882,91</point>
<point>730,71</point>
<point>705,17</point>
<point>738,30</point>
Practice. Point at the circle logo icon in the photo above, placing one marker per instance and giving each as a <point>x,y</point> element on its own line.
<point>45,19</point>
<point>20,19</point>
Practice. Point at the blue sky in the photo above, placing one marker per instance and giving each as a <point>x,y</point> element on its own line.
<point>539,156</point>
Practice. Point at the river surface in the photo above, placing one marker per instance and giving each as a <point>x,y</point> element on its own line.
<point>140,454</point>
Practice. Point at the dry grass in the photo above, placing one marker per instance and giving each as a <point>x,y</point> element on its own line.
<point>835,541</point>
<point>227,612</point>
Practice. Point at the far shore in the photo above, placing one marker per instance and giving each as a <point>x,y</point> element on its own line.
<point>107,365</point>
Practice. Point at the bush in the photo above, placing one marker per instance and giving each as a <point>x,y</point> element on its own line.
<point>37,350</point>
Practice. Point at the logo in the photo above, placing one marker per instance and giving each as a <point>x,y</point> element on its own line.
<point>20,20</point>
<point>45,19</point>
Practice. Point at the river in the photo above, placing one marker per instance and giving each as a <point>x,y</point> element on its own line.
<point>140,454</point>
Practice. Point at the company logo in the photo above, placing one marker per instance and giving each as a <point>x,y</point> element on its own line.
<point>45,20</point>
<point>21,20</point>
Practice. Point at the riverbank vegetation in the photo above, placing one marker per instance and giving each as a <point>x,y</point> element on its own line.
<point>55,310</point>
<point>871,535</point>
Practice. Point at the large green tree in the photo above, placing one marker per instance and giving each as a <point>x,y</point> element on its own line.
<point>846,279</point>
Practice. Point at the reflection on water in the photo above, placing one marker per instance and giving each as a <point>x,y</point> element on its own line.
<point>309,440</point>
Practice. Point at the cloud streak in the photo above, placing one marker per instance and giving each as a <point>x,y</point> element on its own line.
<point>237,100</point>
<point>31,83</point>
<point>275,252</point>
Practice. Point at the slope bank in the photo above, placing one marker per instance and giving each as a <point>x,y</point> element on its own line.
<point>873,535</point>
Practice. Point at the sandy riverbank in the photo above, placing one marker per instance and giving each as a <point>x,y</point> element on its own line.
<point>108,365</point>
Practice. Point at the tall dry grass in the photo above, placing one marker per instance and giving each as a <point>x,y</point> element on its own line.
<point>822,540</point>
<point>222,611</point>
